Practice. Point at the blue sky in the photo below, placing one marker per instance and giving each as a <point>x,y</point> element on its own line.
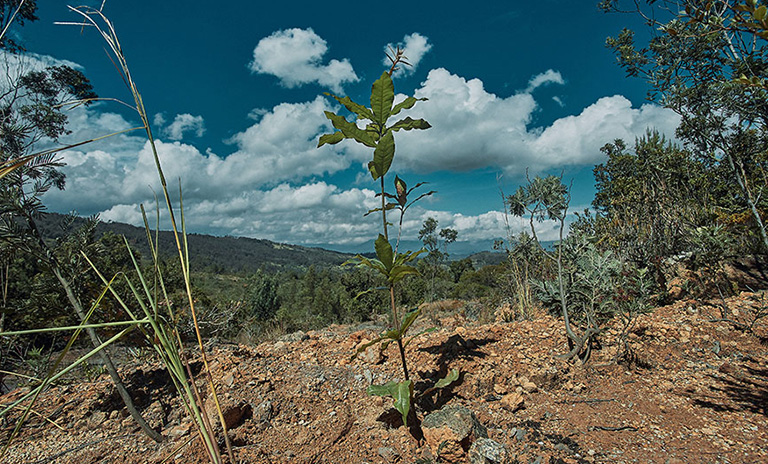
<point>236,95</point>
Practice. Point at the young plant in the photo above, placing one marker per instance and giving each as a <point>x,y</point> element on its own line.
<point>548,199</point>
<point>394,266</point>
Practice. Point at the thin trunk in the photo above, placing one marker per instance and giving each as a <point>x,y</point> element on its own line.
<point>103,354</point>
<point>748,196</point>
<point>105,358</point>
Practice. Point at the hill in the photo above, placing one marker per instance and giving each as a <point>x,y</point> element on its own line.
<point>209,253</point>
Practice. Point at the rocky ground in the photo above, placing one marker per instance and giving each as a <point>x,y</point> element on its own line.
<point>697,392</point>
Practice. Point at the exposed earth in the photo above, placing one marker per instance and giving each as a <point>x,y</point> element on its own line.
<point>697,392</point>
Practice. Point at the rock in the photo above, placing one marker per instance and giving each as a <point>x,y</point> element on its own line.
<point>513,401</point>
<point>388,453</point>
<point>155,415</point>
<point>96,419</point>
<point>487,451</point>
<point>562,447</point>
<point>234,412</point>
<point>450,432</point>
<point>298,336</point>
<point>527,385</point>
<point>228,379</point>
<point>371,355</point>
<point>179,430</point>
<point>263,412</point>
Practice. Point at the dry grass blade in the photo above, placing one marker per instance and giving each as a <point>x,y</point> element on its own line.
<point>97,20</point>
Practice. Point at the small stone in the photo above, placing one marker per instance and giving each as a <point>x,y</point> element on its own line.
<point>263,412</point>
<point>487,451</point>
<point>562,447</point>
<point>388,453</point>
<point>529,386</point>
<point>179,430</point>
<point>96,419</point>
<point>228,379</point>
<point>513,401</point>
<point>371,355</point>
<point>450,431</point>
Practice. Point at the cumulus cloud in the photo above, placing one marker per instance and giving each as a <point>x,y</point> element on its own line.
<point>312,213</point>
<point>414,47</point>
<point>473,128</point>
<point>274,183</point>
<point>182,124</point>
<point>295,57</point>
<point>281,146</point>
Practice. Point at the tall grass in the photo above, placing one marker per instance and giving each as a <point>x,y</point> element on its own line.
<point>147,310</point>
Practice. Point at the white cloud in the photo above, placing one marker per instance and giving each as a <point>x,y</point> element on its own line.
<point>159,120</point>
<point>414,47</point>
<point>473,129</point>
<point>274,184</point>
<point>182,124</point>
<point>295,57</point>
<point>548,77</point>
<point>312,213</point>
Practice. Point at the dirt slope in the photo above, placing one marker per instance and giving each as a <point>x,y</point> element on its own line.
<point>699,394</point>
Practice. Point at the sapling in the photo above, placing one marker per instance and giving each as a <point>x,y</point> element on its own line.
<point>389,262</point>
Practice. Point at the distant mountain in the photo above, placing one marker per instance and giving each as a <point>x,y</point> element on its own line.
<point>210,253</point>
<point>456,250</point>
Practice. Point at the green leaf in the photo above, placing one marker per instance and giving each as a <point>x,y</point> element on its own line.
<point>331,139</point>
<point>382,156</point>
<point>401,392</point>
<point>405,105</point>
<point>362,261</point>
<point>448,379</point>
<point>398,272</point>
<point>760,13</point>
<point>409,318</point>
<point>361,111</point>
<point>409,124</point>
<point>382,97</point>
<point>408,256</point>
<point>350,129</point>
<point>384,252</point>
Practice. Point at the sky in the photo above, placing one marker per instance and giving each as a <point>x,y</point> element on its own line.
<point>236,98</point>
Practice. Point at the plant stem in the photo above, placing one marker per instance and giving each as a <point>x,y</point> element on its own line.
<point>384,209</point>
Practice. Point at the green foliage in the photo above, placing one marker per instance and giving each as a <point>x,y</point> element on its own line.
<point>389,262</point>
<point>651,199</point>
<point>18,12</point>
<point>437,252</point>
<point>263,301</point>
<point>706,63</point>
<point>377,134</point>
<point>401,392</point>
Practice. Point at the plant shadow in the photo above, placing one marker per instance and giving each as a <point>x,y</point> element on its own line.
<point>747,390</point>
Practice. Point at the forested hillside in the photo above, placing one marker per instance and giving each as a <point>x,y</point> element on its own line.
<point>228,255</point>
